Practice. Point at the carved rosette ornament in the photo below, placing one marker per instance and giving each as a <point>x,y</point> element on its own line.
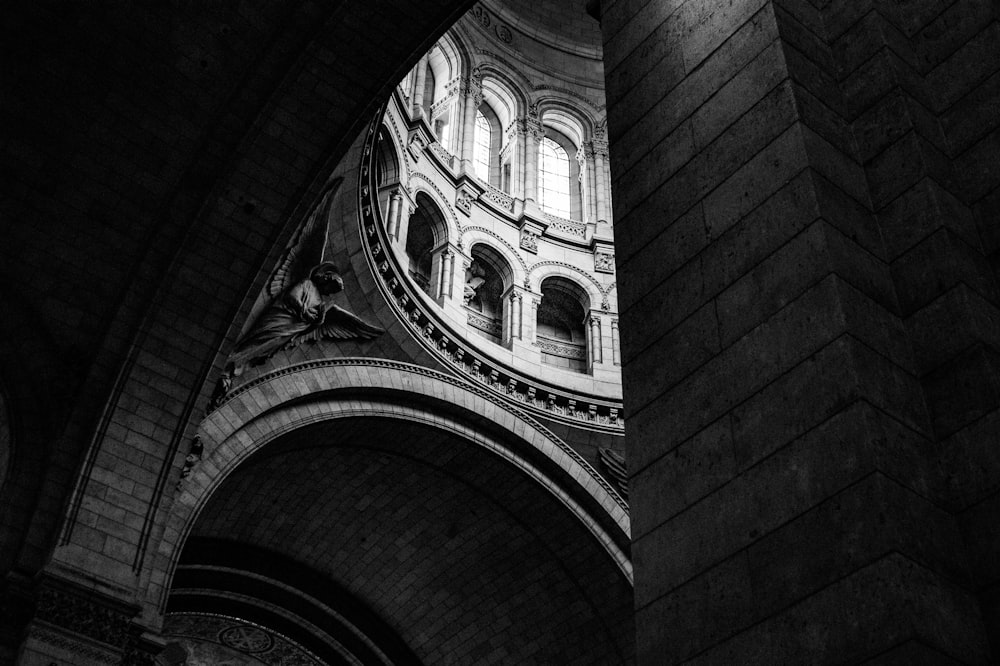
<point>481,15</point>
<point>504,34</point>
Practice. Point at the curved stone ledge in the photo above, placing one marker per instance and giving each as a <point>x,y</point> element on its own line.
<point>430,329</point>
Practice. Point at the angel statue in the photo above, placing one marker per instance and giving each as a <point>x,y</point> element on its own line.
<point>302,307</point>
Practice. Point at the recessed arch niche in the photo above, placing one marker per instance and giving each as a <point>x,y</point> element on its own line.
<point>561,324</point>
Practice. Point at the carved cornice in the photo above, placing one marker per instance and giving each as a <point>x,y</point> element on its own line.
<point>88,616</point>
<point>87,651</point>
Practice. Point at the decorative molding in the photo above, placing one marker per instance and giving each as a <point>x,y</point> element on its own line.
<point>243,636</point>
<point>442,200</point>
<point>57,638</point>
<point>481,15</point>
<point>463,199</point>
<point>604,262</point>
<point>82,615</point>
<point>442,153</point>
<point>500,199</point>
<point>570,93</point>
<point>529,240</point>
<point>561,348</point>
<point>567,226</point>
<point>484,323</point>
<point>503,33</point>
<point>483,375</point>
<point>573,268</point>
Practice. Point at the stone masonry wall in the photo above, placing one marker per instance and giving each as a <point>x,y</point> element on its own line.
<point>803,198</point>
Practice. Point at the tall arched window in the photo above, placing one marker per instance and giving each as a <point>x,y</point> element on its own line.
<point>481,150</point>
<point>553,177</point>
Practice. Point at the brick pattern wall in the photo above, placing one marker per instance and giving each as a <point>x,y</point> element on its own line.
<point>785,478</point>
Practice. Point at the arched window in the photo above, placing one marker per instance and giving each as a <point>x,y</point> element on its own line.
<point>553,178</point>
<point>481,153</point>
<point>425,230</point>
<point>560,331</point>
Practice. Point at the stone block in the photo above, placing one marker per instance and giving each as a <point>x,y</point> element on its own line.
<point>661,257</point>
<point>680,477</point>
<point>964,389</point>
<point>920,210</point>
<point>659,164</point>
<point>912,653</point>
<point>963,70</point>
<point>937,264</point>
<point>954,322</point>
<point>837,375</point>
<point>894,594</point>
<point>969,463</point>
<point>796,266</point>
<point>711,23</point>
<point>740,94</point>
<point>670,358</point>
<point>697,615</point>
<point>863,522</point>
<point>742,140</point>
<point>642,124</point>
<point>903,164</point>
<point>756,181</point>
<point>977,115</point>
<point>662,308</point>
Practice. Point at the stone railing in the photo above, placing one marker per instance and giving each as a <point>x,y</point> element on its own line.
<point>561,348</point>
<point>443,154</point>
<point>487,325</point>
<point>503,200</point>
<point>570,227</point>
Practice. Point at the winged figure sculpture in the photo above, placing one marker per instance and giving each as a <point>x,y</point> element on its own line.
<point>302,307</point>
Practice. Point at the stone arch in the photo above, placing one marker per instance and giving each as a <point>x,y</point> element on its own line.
<point>566,115</point>
<point>296,396</point>
<point>506,87</point>
<point>544,269</point>
<point>421,183</point>
<point>473,235</point>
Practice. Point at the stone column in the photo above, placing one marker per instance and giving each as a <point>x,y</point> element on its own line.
<point>596,352</point>
<point>532,136</point>
<point>472,97</point>
<point>395,213</point>
<point>420,81</point>
<point>784,456</point>
<point>615,343</point>
<point>602,177</point>
<point>588,166</point>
